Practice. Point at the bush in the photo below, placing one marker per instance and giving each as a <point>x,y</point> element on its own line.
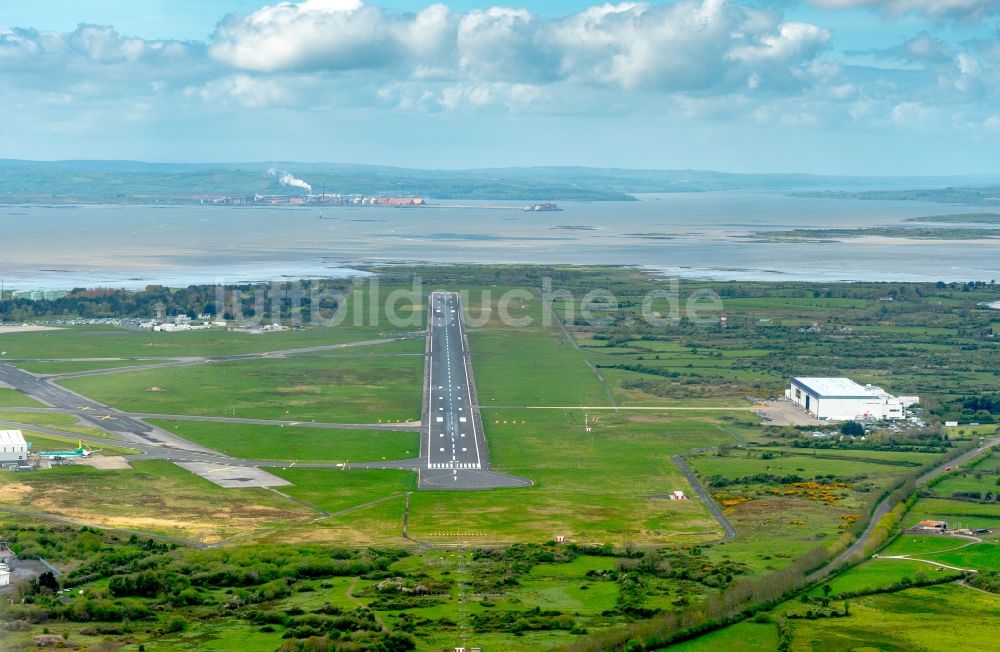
<point>176,624</point>
<point>852,428</point>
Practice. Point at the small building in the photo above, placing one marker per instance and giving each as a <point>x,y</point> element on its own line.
<point>560,538</point>
<point>13,448</point>
<point>932,526</point>
<point>678,495</point>
<point>4,575</point>
<point>7,556</point>
<point>842,399</point>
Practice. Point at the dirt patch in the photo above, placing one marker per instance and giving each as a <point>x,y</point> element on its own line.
<point>105,463</point>
<point>14,492</point>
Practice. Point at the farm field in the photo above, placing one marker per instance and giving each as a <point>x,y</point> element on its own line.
<point>943,617</point>
<point>350,390</point>
<point>297,444</point>
<point>879,573</point>
<point>957,513</point>
<point>745,636</point>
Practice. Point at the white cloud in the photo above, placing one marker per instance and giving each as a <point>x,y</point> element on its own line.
<point>328,34</point>
<point>253,92</point>
<point>688,45</point>
<point>912,114</point>
<point>951,9</point>
<point>701,60</point>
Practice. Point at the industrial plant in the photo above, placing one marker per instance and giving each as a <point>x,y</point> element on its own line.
<point>842,399</point>
<point>323,199</point>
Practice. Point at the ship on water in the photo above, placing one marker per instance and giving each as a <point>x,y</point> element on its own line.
<point>543,206</point>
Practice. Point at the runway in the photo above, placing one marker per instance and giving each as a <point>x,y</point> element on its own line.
<point>454,452</point>
<point>452,430</point>
<point>453,449</point>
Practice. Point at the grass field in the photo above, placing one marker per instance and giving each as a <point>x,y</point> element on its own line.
<point>745,637</point>
<point>978,556</point>
<point>13,398</point>
<point>65,422</point>
<point>334,490</point>
<point>504,359</point>
<point>71,366</point>
<point>983,477</point>
<point>921,545</point>
<point>598,486</point>
<point>297,444</point>
<point>109,342</point>
<point>153,496</point>
<point>878,573</point>
<point>945,618</point>
<point>344,389</point>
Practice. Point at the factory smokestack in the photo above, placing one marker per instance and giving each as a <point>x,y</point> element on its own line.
<point>286,179</point>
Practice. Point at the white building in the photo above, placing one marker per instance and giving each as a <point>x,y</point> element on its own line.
<point>13,448</point>
<point>4,575</point>
<point>841,399</point>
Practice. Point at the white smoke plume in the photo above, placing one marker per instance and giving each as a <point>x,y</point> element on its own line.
<point>286,179</point>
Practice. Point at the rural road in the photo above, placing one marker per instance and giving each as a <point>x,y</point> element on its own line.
<point>713,507</point>
<point>885,506</point>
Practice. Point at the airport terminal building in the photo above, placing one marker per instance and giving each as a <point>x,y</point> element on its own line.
<point>842,399</point>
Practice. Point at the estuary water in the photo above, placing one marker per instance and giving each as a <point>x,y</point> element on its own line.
<point>703,235</point>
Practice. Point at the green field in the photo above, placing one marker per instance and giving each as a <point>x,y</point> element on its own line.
<point>918,545</point>
<point>107,342</point>
<point>335,490</point>
<point>345,389</point>
<point>297,444</point>
<point>71,366</point>
<point>745,637</point>
<point>604,485</point>
<point>979,556</point>
<point>944,618</point>
<point>63,422</point>
<point>13,398</point>
<point>879,573</point>
<point>559,374</point>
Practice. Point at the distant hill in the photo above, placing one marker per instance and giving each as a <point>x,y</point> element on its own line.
<point>143,182</point>
<point>968,195</point>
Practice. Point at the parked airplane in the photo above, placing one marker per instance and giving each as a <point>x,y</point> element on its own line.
<point>81,451</point>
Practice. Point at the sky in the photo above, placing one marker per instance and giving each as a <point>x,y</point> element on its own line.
<point>876,87</point>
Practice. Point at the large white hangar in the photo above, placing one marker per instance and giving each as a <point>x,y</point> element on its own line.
<point>841,399</point>
<point>13,448</point>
